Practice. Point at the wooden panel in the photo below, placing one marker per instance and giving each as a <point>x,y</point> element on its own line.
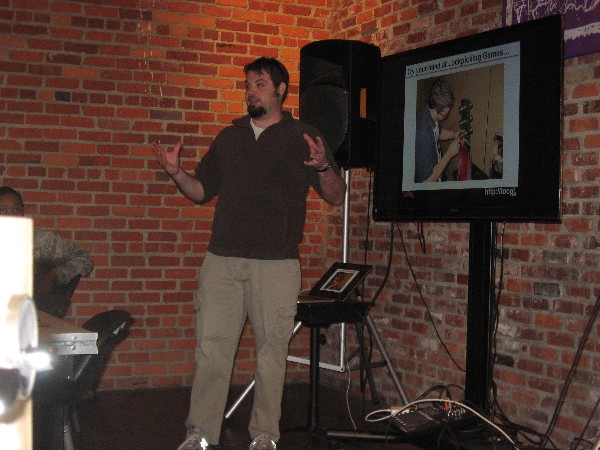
<point>16,269</point>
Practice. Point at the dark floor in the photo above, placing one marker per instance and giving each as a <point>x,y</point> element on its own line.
<point>154,420</point>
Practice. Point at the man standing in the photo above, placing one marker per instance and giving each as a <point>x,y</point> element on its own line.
<point>261,168</point>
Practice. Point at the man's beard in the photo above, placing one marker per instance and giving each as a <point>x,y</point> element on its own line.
<point>256,111</point>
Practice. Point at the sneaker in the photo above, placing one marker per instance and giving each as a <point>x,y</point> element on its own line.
<point>194,441</point>
<point>263,442</point>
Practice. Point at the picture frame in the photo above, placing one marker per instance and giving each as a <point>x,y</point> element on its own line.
<point>340,281</point>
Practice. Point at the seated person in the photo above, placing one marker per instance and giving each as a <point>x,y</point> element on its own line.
<point>58,262</point>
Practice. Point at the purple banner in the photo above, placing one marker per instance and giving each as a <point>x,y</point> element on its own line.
<point>581,20</point>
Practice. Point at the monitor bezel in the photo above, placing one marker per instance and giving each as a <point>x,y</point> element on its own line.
<point>537,198</point>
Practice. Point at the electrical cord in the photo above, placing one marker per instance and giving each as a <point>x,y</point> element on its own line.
<point>421,238</point>
<point>425,303</point>
<point>348,396</point>
<point>519,429</point>
<point>440,387</point>
<point>497,412</point>
<point>571,373</point>
<point>587,424</point>
<point>495,315</point>
<point>389,413</point>
<point>545,439</point>
<point>363,377</point>
<point>363,367</point>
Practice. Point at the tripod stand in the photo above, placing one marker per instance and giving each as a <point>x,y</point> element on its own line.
<point>387,437</point>
<point>250,386</point>
<point>324,314</point>
<point>317,315</point>
<point>386,359</point>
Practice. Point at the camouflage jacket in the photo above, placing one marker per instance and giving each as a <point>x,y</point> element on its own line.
<point>64,257</point>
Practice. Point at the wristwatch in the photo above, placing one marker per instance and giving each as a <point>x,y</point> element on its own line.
<point>324,169</point>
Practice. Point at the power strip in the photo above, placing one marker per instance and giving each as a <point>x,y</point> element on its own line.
<point>420,420</point>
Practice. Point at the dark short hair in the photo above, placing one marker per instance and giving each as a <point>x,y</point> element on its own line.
<point>5,190</point>
<point>441,95</point>
<point>274,68</point>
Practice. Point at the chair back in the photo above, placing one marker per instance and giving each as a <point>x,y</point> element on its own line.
<point>111,327</point>
<point>56,302</point>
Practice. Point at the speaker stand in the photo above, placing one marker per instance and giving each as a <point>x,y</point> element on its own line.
<point>250,386</point>
<point>361,353</point>
<point>389,436</point>
<point>386,358</point>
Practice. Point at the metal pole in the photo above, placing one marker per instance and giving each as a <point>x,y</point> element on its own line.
<point>385,356</point>
<point>250,386</point>
<point>345,240</point>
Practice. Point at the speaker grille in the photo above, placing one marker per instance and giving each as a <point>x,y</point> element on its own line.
<point>339,90</point>
<point>326,107</point>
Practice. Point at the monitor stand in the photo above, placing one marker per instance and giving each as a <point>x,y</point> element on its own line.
<point>481,297</point>
<point>478,378</point>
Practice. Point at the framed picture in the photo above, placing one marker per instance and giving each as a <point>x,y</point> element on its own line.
<point>340,281</point>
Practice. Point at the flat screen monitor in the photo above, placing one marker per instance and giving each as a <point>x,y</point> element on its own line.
<point>500,93</point>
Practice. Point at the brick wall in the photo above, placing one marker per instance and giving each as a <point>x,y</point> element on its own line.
<point>85,89</point>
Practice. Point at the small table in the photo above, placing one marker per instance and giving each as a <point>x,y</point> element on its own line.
<point>61,337</point>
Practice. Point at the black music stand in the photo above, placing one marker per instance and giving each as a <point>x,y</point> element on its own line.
<point>331,300</point>
<point>315,315</point>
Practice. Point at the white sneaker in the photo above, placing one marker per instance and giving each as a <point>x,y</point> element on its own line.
<point>194,441</point>
<point>263,442</point>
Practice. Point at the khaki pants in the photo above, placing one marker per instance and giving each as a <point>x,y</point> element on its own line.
<point>231,289</point>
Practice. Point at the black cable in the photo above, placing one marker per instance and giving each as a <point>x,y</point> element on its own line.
<point>587,424</point>
<point>421,238</point>
<point>447,430</point>
<point>495,313</point>
<point>523,431</point>
<point>425,303</point>
<point>372,302</point>
<point>517,429</point>
<point>387,269</point>
<point>366,252</point>
<point>363,376</point>
<point>497,411</point>
<point>545,439</point>
<point>439,387</point>
<point>571,373</point>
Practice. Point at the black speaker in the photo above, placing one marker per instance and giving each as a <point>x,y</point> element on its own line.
<point>339,92</point>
